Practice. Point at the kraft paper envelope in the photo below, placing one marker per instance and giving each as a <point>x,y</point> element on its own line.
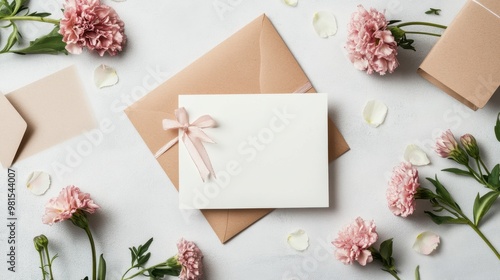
<point>465,62</point>
<point>253,60</point>
<point>42,114</point>
<point>270,151</point>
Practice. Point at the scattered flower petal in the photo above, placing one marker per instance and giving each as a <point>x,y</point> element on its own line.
<point>374,112</point>
<point>426,242</point>
<point>298,240</point>
<point>291,3</point>
<point>38,182</point>
<point>325,24</point>
<point>105,76</point>
<point>416,156</point>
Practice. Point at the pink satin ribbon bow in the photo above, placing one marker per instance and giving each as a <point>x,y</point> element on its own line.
<point>193,137</point>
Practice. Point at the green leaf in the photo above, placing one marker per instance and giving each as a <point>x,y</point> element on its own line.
<point>160,272</point>
<point>386,250</point>
<point>483,204</point>
<point>37,14</point>
<point>497,128</point>
<point>144,248</point>
<point>494,179</point>
<point>49,44</point>
<point>443,193</point>
<point>440,220</point>
<point>12,40</point>
<point>133,256</point>
<point>458,171</point>
<point>417,273</point>
<point>433,11</point>
<point>101,272</point>
<point>143,259</point>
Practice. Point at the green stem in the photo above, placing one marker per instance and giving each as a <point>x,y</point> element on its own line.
<point>42,265</point>
<point>49,262</point>
<point>140,271</point>
<point>423,33</point>
<point>484,166</point>
<point>92,246</point>
<point>478,231</point>
<point>421,23</point>
<point>31,18</point>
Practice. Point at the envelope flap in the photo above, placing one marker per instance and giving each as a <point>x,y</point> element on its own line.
<point>278,68</point>
<point>492,6</point>
<point>228,223</point>
<point>13,127</point>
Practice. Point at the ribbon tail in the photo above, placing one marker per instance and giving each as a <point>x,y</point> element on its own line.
<point>196,155</point>
<point>167,146</point>
<point>204,155</point>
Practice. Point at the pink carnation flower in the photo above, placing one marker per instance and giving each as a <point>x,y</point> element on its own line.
<point>354,240</point>
<point>402,189</point>
<point>189,256</point>
<point>88,24</point>
<point>370,45</point>
<point>70,200</point>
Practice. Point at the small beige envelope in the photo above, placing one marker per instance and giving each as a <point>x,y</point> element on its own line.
<point>465,62</point>
<point>253,60</point>
<point>42,114</point>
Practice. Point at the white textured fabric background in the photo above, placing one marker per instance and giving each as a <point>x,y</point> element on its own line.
<point>138,201</point>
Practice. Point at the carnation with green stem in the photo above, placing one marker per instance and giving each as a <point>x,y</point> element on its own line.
<point>74,205</point>
<point>373,41</point>
<point>355,243</point>
<point>186,264</point>
<point>85,24</point>
<point>442,200</point>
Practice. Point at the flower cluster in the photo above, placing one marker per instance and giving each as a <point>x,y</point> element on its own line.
<point>370,45</point>
<point>92,25</point>
<point>73,205</point>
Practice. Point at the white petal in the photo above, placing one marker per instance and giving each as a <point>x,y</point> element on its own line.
<point>292,3</point>
<point>105,76</point>
<point>325,24</point>
<point>416,156</point>
<point>298,240</point>
<point>374,112</point>
<point>38,182</point>
<point>426,242</point>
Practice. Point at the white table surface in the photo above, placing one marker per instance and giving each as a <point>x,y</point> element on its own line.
<point>138,200</point>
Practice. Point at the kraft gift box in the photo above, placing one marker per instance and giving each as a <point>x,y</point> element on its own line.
<point>253,60</point>
<point>465,62</point>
